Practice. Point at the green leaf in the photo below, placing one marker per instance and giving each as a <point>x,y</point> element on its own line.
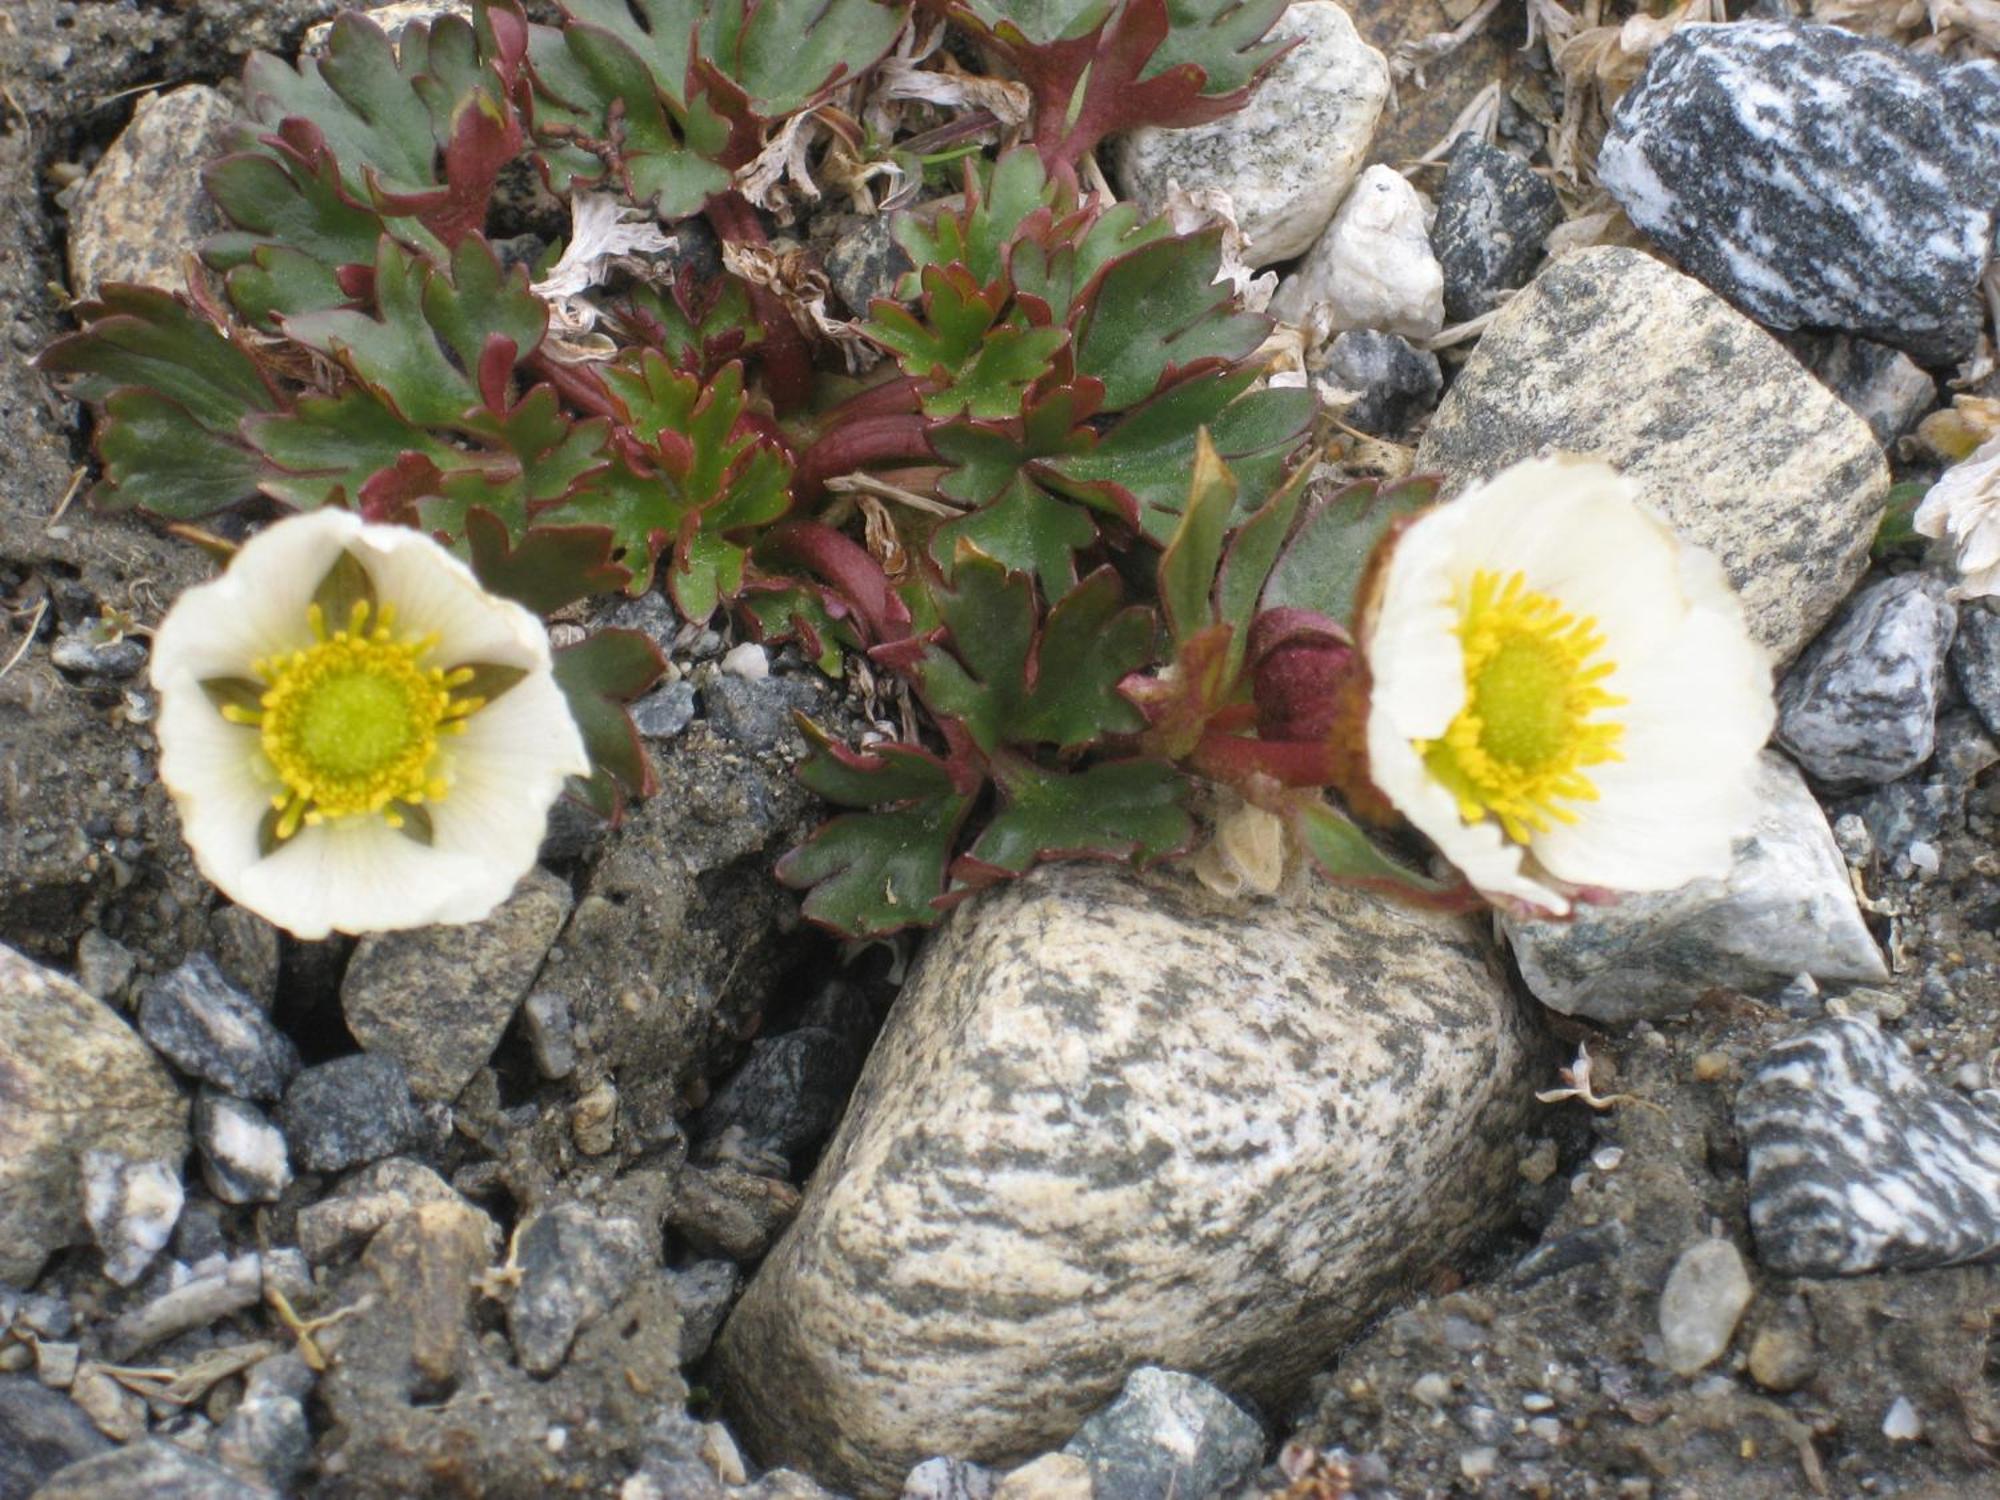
<point>982,362</point>
<point>1159,309</point>
<point>788,611</point>
<point>1188,565</point>
<point>279,281</point>
<point>1121,809</point>
<point>141,337</point>
<point>987,457</point>
<point>1345,854</point>
<point>287,195</point>
<point>159,459</point>
<point>1247,564</point>
<point>327,447</point>
<point>978,236</point>
<point>1025,530</point>
<point>553,566</point>
<point>1010,682</point>
<point>1055,269</point>
<point>1897,532</point>
<point>600,676</point>
<point>1322,565</point>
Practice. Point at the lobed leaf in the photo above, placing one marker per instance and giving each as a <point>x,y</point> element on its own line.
<point>1120,809</point>
<point>600,676</point>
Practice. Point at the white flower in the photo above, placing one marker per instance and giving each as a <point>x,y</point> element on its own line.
<point>358,736</point>
<point>1964,507</point>
<point>1564,696</point>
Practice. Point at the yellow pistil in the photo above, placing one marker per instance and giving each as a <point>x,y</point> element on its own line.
<point>1519,749</point>
<point>352,723</point>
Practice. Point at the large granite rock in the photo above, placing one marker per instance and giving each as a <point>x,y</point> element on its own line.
<point>1112,1123</point>
<point>1861,1162</point>
<point>1610,354</point>
<point>1817,178</point>
<point>1287,157</point>
<point>73,1080</point>
<point>142,210</point>
<point>1785,908</point>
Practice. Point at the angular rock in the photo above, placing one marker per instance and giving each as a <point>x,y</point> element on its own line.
<point>662,715</point>
<point>211,1030</point>
<point>1610,354</point>
<point>1168,1434</point>
<point>243,1157</point>
<point>551,1032</point>
<point>1975,661</point>
<point>1817,178</point>
<point>783,1101</point>
<point>1114,1122</point>
<point>1785,908</point>
<point>1396,384</point>
<point>1373,268</point>
<point>426,1265</point>
<point>757,713</point>
<point>131,1208</point>
<point>84,650</point>
<point>104,966</point>
<point>141,212</point>
<point>348,1111</point>
<point>1884,387</point>
<point>575,1265</point>
<point>1859,1162</point>
<point>1493,213</point>
<point>347,1219</point>
<point>949,1479</point>
<point>41,1431</point>
<point>1287,157</point>
<point>1703,1301</point>
<point>1860,706</point>
<point>727,1212</point>
<point>864,262</point>
<point>704,1293</point>
<point>438,999</point>
<point>73,1080</point>
<point>246,950</point>
<point>151,1470</point>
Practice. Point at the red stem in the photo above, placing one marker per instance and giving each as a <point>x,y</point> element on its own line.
<point>787,357</point>
<point>1234,758</point>
<point>576,385</point>
<point>890,440</point>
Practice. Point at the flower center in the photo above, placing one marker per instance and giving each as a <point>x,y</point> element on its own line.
<point>1528,731</point>
<point>351,723</point>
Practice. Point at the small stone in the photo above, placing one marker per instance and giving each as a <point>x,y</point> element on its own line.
<point>1538,1401</point>
<point>719,1451</point>
<point>593,1120</point>
<point>1782,1354</point>
<point>949,1479</point>
<point>704,1293</point>
<point>347,1219</point>
<point>1478,1464</point>
<point>1493,213</point>
<point>1975,661</point>
<point>74,1081</point>
<point>1816,178</point>
<point>1373,268</point>
<point>1883,386</point>
<point>1705,1296</point>
<point>348,1111</point>
<point>151,1470</point>
<point>783,1101</point>
<point>211,1030</point>
<point>1607,1158</point>
<point>1859,1162</point>
<point>1610,354</point>
<point>1861,704</point>
<point>865,263</point>
<point>55,1364</point>
<point>575,1264</point>
<point>116,1412</point>
<point>758,715</point>
<point>1287,157</point>
<point>748,661</point>
<point>726,1211</point>
<point>267,1440</point>
<point>131,1208</point>
<point>1432,1389</point>
<point>1901,1424</point>
<point>246,950</point>
<point>1168,1434</point>
<point>427,1265</point>
<point>104,966</point>
<point>1539,1165</point>
<point>41,1431</point>
<point>1712,1067</point>
<point>1396,384</point>
<point>663,714</point>
<point>551,1032</point>
<point>1787,905</point>
<point>438,999</point>
<point>243,1157</point>
<point>1053,1476</point>
<point>86,652</point>
<point>140,213</point>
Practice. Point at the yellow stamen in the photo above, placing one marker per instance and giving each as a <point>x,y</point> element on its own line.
<point>1530,726</point>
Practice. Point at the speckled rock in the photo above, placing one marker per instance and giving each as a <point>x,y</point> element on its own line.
<point>392,17</point>
<point>131,1207</point>
<point>1493,212</point>
<point>73,1080</point>
<point>151,1470</point>
<point>1114,1122</point>
<point>1975,661</point>
<point>243,1157</point>
<point>1859,1161</point>
<point>1860,707</point>
<point>1168,1434</point>
<point>348,1111</point>
<point>1817,178</point>
<point>438,999</point>
<point>1703,1301</point>
<point>575,1264</point>
<point>1373,268</point>
<point>1610,354</point>
<point>1785,908</point>
<point>1288,156</point>
<point>143,209</point>
<point>41,1431</point>
<point>1395,384</point>
<point>211,1030</point>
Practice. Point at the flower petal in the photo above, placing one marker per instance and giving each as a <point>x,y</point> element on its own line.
<point>435,592</point>
<point>214,771</point>
<point>361,875</point>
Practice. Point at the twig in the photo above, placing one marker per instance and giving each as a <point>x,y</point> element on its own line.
<point>881,489</point>
<point>28,639</point>
<point>75,484</point>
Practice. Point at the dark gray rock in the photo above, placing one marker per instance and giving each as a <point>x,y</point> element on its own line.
<point>1975,661</point>
<point>82,651</point>
<point>266,1439</point>
<point>243,1156</point>
<point>703,1292</point>
<point>1858,1161</point>
<point>575,1265</point>
<point>150,1470</point>
<point>211,1030</point>
<point>1860,706</point>
<point>1168,1434</point>
<point>783,1101</point>
<point>348,1111</point>
<point>1883,386</point>
<point>246,950</point>
<point>1398,383</point>
<point>41,1431</point>
<point>662,715</point>
<point>865,262</point>
<point>1493,213</point>
<point>1817,178</point>
<point>757,714</point>
<point>438,999</point>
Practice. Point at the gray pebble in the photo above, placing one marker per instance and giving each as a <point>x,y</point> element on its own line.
<point>1168,1434</point>
<point>208,1028</point>
<point>575,1265</point>
<point>348,1111</point>
<point>1397,382</point>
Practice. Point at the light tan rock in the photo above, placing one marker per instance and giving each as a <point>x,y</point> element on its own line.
<point>1612,354</point>
<point>74,1079</point>
<point>143,209</point>
<point>392,18</point>
<point>1053,1476</point>
<point>1115,1122</point>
